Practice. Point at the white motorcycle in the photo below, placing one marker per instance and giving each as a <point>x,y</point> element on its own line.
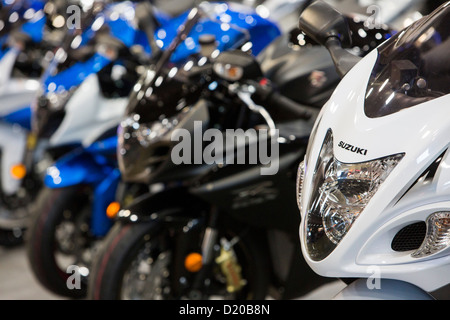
<point>22,59</point>
<point>373,189</point>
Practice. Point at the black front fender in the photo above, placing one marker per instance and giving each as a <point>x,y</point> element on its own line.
<point>171,205</point>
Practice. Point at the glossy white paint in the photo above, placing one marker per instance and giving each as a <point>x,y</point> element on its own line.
<point>422,134</point>
<point>88,115</point>
<point>12,146</point>
<point>15,94</point>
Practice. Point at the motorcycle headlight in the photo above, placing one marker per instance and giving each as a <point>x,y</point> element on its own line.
<point>142,147</point>
<point>144,134</point>
<point>341,191</point>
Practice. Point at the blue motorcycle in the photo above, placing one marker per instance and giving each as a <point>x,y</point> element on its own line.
<point>87,101</point>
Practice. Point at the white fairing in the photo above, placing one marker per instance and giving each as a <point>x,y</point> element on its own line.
<point>387,290</point>
<point>15,93</point>
<point>88,115</point>
<point>6,64</point>
<point>422,133</point>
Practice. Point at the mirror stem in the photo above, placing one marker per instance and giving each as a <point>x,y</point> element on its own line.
<point>343,60</point>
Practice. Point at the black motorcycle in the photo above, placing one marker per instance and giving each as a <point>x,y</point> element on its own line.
<point>221,228</point>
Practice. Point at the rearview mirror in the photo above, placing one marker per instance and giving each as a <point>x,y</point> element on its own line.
<point>328,27</point>
<point>321,22</point>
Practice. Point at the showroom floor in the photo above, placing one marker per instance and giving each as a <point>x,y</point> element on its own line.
<point>18,283</point>
<point>16,280</point>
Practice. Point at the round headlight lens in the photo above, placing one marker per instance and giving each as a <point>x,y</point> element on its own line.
<point>143,146</point>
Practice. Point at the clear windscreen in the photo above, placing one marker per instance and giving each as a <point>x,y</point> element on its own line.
<point>413,67</point>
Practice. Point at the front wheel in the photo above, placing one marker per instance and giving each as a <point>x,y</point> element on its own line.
<point>59,244</point>
<point>144,261</point>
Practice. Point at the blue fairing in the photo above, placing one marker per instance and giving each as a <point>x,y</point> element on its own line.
<point>261,32</point>
<point>21,117</point>
<point>21,6</point>
<point>95,166</point>
<point>76,74</point>
<point>104,194</point>
<point>84,165</point>
<point>35,27</point>
<point>77,167</point>
<point>119,19</point>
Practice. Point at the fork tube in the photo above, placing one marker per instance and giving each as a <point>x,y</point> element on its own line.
<point>210,237</point>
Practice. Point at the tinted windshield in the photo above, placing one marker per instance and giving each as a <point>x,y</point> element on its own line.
<point>413,67</point>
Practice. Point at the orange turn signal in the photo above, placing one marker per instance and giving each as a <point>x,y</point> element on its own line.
<point>18,171</point>
<point>112,209</point>
<point>193,262</point>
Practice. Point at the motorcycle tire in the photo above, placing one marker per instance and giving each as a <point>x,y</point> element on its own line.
<point>123,243</point>
<point>52,206</point>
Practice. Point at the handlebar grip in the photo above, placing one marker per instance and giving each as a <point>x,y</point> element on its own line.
<point>270,99</point>
<point>289,105</point>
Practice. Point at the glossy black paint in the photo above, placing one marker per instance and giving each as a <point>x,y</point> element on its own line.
<point>305,74</point>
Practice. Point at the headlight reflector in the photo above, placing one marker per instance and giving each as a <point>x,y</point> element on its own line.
<point>341,191</point>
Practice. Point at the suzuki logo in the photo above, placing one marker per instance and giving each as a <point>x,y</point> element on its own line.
<point>352,148</point>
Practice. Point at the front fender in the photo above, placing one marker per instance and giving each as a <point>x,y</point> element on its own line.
<point>77,167</point>
<point>382,289</point>
<point>174,205</point>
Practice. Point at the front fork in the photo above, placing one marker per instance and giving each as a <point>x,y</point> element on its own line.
<point>226,261</point>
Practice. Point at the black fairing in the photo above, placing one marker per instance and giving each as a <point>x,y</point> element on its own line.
<point>303,71</point>
<point>306,75</point>
<point>254,199</point>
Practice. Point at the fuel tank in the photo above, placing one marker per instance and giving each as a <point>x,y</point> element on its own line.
<point>300,69</point>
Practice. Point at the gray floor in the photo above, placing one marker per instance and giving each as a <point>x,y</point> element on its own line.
<point>18,283</point>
